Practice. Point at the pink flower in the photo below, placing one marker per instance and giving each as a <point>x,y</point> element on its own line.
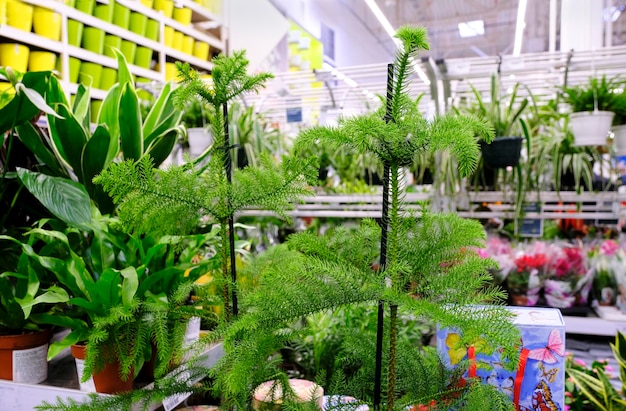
<point>565,407</point>
<point>482,253</point>
<point>580,362</point>
<point>608,368</point>
<point>609,247</point>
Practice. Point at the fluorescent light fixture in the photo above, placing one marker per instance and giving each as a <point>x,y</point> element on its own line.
<point>392,32</point>
<point>519,27</point>
<point>472,28</point>
<point>381,17</point>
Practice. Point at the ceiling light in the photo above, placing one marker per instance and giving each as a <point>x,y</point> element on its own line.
<point>472,28</point>
<point>519,27</point>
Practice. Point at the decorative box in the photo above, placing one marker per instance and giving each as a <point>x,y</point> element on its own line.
<point>538,383</point>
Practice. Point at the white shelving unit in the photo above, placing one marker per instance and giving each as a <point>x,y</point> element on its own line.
<point>203,28</point>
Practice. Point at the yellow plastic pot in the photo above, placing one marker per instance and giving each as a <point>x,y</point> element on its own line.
<point>104,12</point>
<point>41,61</point>
<point>178,40</point>
<point>6,88</point>
<point>15,56</point>
<point>152,29</point>
<point>47,23</point>
<point>74,32</point>
<point>143,57</point>
<point>201,50</point>
<point>171,72</point>
<point>168,35</point>
<point>165,6</point>
<point>148,3</point>
<point>129,49</point>
<point>111,42</point>
<point>3,11</point>
<point>108,78</point>
<point>138,23</point>
<point>182,15</point>
<point>188,43</point>
<point>93,40</point>
<point>90,74</point>
<point>121,16</point>
<point>19,15</point>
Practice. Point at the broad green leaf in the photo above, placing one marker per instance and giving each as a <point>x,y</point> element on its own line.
<point>55,93</point>
<point>36,99</point>
<point>109,116</point>
<point>162,147</point>
<point>94,155</point>
<point>166,124</point>
<point>20,109</point>
<point>131,137</point>
<point>129,285</point>
<point>155,113</point>
<point>71,138</point>
<point>34,141</point>
<point>76,336</point>
<point>81,106</point>
<point>52,295</point>
<point>123,72</point>
<point>64,198</point>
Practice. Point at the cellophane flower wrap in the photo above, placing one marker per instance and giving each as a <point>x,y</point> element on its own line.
<point>531,261</point>
<point>569,278</point>
<point>499,250</point>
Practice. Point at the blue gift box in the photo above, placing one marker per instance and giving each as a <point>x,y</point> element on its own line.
<point>538,383</point>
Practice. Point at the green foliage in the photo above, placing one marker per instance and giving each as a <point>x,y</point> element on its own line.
<point>591,388</point>
<point>596,94</point>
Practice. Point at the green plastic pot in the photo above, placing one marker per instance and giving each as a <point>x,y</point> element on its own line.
<point>138,23</point>
<point>108,78</point>
<point>86,6</point>
<point>90,74</point>
<point>93,40</point>
<point>143,57</point>
<point>111,42</point>
<point>128,49</point>
<point>152,30</point>
<point>74,32</point>
<point>95,110</point>
<point>121,16</point>
<point>104,12</point>
<point>74,68</point>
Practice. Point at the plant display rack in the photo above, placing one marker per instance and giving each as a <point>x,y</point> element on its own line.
<point>205,27</point>
<point>63,382</point>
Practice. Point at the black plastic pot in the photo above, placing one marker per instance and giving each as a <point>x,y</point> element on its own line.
<point>502,152</point>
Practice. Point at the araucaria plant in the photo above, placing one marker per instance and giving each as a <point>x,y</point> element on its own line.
<point>424,266</point>
<point>179,200</point>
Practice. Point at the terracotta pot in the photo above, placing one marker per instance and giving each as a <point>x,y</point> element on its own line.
<point>108,379</point>
<point>23,357</point>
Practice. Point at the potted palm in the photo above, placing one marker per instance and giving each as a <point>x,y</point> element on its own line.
<point>592,106</point>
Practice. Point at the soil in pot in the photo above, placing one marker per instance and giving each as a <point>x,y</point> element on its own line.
<point>23,357</point>
<point>107,380</point>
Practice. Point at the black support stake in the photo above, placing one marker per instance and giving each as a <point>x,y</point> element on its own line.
<point>380,329</point>
<point>231,220</point>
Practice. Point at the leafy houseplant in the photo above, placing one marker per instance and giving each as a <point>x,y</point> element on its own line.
<point>592,109</point>
<point>417,269</point>
<point>591,388</point>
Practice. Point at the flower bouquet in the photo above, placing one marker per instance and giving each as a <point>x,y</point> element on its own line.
<point>607,262</point>
<point>499,250</point>
<point>569,280</point>
<point>524,282</point>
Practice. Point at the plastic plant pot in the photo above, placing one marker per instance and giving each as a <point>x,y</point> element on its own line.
<point>165,6</point>
<point>104,12</point>
<point>143,57</point>
<point>188,43</point>
<point>152,30</point>
<point>111,42</point>
<point>3,11</point>
<point>95,110</point>
<point>201,50</point>
<point>138,23</point>
<point>128,50</point>
<point>169,36</point>
<point>74,32</point>
<point>86,6</point>
<point>74,68</point>
<point>178,40</point>
<point>41,61</point>
<point>47,23</point>
<point>108,78</point>
<point>90,74</point>
<point>148,3</point>
<point>15,56</point>
<point>93,40</point>
<point>171,72</point>
<point>183,15</point>
<point>121,16</point>
<point>19,15</point>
